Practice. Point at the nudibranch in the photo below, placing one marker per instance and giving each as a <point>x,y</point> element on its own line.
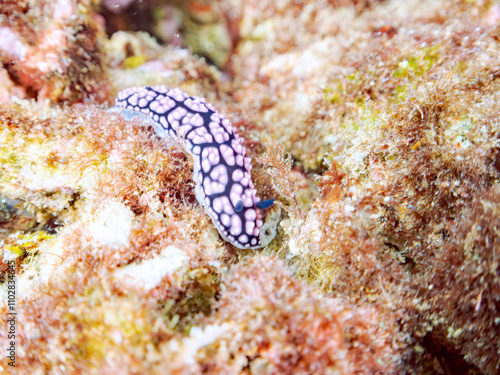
<point>221,170</point>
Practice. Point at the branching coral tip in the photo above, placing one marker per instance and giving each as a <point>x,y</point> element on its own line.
<point>221,170</point>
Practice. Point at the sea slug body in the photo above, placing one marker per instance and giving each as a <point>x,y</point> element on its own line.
<point>221,170</point>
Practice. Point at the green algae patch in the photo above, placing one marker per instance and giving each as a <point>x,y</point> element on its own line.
<point>418,64</point>
<point>111,324</point>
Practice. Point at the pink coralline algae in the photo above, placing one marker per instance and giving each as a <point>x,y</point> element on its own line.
<point>221,171</point>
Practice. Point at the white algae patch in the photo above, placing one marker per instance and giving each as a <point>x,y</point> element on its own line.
<point>198,338</point>
<point>112,224</point>
<point>149,273</point>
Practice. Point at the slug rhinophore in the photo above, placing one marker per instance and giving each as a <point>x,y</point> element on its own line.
<point>221,170</point>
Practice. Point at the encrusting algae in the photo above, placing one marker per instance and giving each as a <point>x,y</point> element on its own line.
<point>374,125</point>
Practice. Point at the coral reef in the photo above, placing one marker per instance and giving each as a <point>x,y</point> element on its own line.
<point>374,125</point>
